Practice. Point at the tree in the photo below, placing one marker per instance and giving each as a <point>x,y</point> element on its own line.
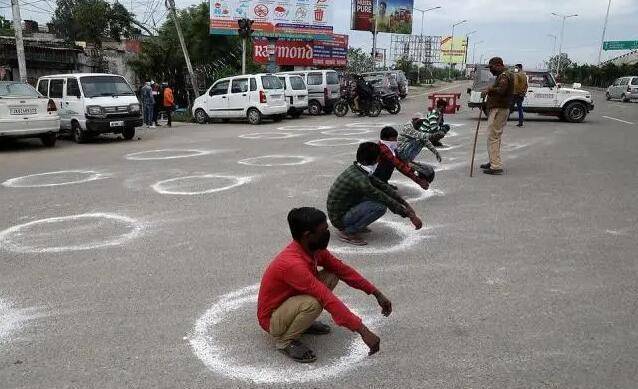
<point>359,61</point>
<point>552,62</point>
<point>5,26</point>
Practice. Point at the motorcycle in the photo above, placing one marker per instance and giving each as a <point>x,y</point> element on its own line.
<point>345,103</point>
<point>389,101</point>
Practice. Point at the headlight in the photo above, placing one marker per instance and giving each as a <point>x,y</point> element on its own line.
<point>134,108</point>
<point>94,110</point>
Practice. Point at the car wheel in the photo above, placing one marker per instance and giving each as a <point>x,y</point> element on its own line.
<point>200,116</point>
<point>79,136</point>
<point>625,99</point>
<point>49,139</point>
<point>314,108</point>
<point>254,116</point>
<point>575,112</point>
<point>128,133</point>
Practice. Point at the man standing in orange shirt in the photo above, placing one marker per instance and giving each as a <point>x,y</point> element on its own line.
<point>169,102</point>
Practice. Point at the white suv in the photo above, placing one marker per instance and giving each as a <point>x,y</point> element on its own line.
<point>251,96</point>
<point>544,96</point>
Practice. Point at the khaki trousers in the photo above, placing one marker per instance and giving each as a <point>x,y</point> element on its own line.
<point>295,315</point>
<point>496,121</point>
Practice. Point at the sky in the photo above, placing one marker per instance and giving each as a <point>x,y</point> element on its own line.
<point>514,30</point>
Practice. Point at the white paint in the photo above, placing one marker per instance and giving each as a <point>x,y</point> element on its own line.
<point>277,160</point>
<point>269,135</point>
<point>12,319</point>
<point>169,154</point>
<point>346,132</point>
<point>332,142</point>
<point>11,238</point>
<point>49,179</point>
<point>421,194</point>
<point>409,238</point>
<point>210,350</point>
<point>618,120</point>
<point>172,186</point>
<point>304,128</point>
<point>369,124</point>
<point>448,148</point>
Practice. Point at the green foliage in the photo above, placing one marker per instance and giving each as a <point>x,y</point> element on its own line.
<point>552,62</point>
<point>5,26</point>
<point>359,61</point>
<point>591,75</point>
<point>413,74</point>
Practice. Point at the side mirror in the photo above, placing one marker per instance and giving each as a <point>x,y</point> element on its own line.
<point>577,85</point>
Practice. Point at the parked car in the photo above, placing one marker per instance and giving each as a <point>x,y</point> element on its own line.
<point>323,89</point>
<point>25,113</point>
<point>296,94</point>
<point>544,95</point>
<point>251,96</point>
<point>624,88</point>
<point>91,104</point>
<point>382,82</point>
<point>397,76</point>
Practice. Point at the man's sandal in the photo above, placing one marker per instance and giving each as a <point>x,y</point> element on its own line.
<point>299,352</point>
<point>318,328</point>
<point>352,239</point>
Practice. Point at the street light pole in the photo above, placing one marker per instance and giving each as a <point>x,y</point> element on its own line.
<point>602,40</point>
<point>418,67</point>
<point>474,51</point>
<point>562,35</point>
<point>374,35</point>
<point>553,48</point>
<point>467,47</point>
<point>449,70</point>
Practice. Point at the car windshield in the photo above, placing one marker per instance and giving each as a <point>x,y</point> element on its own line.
<point>95,86</point>
<point>297,83</point>
<point>17,89</point>
<point>332,78</point>
<point>271,82</point>
<point>634,81</point>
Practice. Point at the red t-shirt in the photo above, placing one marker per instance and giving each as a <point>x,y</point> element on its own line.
<point>294,272</point>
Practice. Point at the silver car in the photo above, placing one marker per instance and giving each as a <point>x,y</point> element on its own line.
<point>624,88</point>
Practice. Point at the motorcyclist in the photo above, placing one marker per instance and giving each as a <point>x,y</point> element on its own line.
<point>364,92</point>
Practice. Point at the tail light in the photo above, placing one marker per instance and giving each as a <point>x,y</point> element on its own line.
<point>262,97</point>
<point>51,106</point>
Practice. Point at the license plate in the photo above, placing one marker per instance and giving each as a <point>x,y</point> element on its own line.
<point>23,110</point>
<point>119,123</point>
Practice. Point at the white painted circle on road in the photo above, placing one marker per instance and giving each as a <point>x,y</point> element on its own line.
<point>70,233</point>
<point>199,184</point>
<point>152,155</point>
<point>213,349</point>
<point>58,178</point>
<point>348,131</point>
<point>269,135</point>
<point>369,124</point>
<point>13,319</point>
<point>332,142</point>
<point>277,160</point>
<point>304,128</point>
<point>418,194</point>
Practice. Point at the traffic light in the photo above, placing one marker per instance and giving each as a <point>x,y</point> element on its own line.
<point>245,27</point>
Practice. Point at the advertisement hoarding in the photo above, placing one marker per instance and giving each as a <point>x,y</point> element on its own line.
<point>395,16</point>
<point>453,50</point>
<point>283,18</point>
<point>297,52</point>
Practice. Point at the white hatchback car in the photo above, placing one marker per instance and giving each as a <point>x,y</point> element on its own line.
<point>624,88</point>
<point>25,113</point>
<point>296,94</point>
<point>251,96</point>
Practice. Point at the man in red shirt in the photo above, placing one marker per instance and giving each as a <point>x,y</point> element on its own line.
<point>293,292</point>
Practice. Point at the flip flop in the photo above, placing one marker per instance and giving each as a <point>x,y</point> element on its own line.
<point>351,239</point>
<point>318,328</point>
<point>299,352</point>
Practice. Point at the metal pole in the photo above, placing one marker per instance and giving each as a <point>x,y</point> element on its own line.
<point>449,69</point>
<point>560,47</point>
<point>243,56</point>
<point>17,27</point>
<point>171,6</point>
<point>602,40</point>
<point>374,35</point>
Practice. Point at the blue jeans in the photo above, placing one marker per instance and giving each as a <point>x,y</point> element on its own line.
<point>362,215</point>
<point>518,102</point>
<point>148,114</point>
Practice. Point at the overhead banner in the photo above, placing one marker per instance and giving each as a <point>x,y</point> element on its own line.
<point>282,18</point>
<point>394,16</point>
<point>296,52</point>
<point>453,50</point>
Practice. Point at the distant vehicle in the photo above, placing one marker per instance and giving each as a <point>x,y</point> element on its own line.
<point>296,94</point>
<point>383,82</point>
<point>395,76</point>
<point>25,113</point>
<point>624,88</point>
<point>323,89</point>
<point>93,103</point>
<point>250,96</point>
<point>544,95</point>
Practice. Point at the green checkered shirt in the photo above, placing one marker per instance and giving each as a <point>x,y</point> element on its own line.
<point>354,186</point>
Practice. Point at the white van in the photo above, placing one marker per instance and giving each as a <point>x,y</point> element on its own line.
<point>296,93</point>
<point>93,103</point>
<point>323,89</point>
<point>251,96</point>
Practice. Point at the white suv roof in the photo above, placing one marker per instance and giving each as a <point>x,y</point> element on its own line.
<point>80,75</point>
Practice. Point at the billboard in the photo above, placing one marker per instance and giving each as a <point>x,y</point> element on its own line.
<point>298,52</point>
<point>282,18</point>
<point>453,49</point>
<point>394,16</point>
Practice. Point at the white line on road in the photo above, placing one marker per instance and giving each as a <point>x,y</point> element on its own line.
<point>618,120</point>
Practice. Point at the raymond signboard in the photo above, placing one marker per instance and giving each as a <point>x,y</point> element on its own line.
<point>283,18</point>
<point>453,51</point>
<point>296,52</point>
<point>395,16</point>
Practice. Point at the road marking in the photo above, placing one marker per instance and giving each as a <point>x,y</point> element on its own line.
<point>170,154</point>
<point>618,120</point>
<point>277,160</point>
<point>348,131</point>
<point>420,193</point>
<point>172,186</point>
<point>269,135</point>
<point>13,319</point>
<point>68,177</point>
<point>330,142</point>
<point>304,128</point>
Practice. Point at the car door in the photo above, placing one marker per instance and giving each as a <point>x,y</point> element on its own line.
<point>541,92</point>
<point>218,101</point>
<point>253,93</point>
<point>73,105</point>
<point>56,93</point>
<point>622,87</point>
<point>238,97</point>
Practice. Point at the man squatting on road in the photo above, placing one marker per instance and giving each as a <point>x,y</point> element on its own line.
<point>293,291</point>
<point>357,198</point>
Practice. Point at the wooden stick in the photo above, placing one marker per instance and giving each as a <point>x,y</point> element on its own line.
<point>478,125</point>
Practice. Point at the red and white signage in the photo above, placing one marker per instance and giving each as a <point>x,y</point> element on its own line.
<point>304,52</point>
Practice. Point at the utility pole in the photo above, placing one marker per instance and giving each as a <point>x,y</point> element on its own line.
<point>602,40</point>
<point>418,68</point>
<point>170,4</point>
<point>474,51</point>
<point>449,70</point>
<point>17,27</point>
<point>374,35</point>
<point>467,47</point>
<point>562,35</point>
<point>245,31</point>
<point>553,49</point>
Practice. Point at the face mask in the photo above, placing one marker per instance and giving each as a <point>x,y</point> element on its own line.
<point>369,168</point>
<point>321,243</point>
<point>516,70</point>
<point>392,145</point>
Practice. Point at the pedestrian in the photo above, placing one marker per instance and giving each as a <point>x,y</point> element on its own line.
<point>435,123</point>
<point>169,102</point>
<point>293,292</point>
<point>388,160</point>
<point>148,104</point>
<point>158,104</point>
<point>357,198</point>
<point>499,101</point>
<point>412,140</point>
<point>520,90</point>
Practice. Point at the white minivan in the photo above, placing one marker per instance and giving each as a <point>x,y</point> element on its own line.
<point>93,103</point>
<point>323,89</point>
<point>296,94</point>
<point>251,96</point>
